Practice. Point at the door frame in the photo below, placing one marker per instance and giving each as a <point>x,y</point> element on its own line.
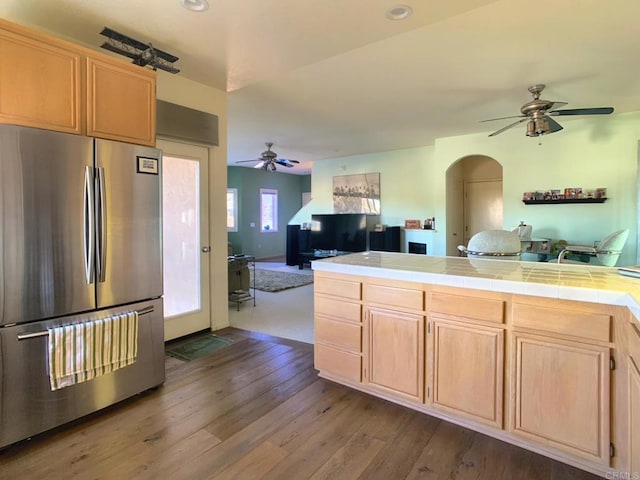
<point>181,325</point>
<point>466,234</point>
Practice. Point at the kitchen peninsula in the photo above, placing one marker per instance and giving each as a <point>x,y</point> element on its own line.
<point>540,355</point>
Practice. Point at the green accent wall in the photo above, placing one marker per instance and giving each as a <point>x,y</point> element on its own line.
<point>249,240</point>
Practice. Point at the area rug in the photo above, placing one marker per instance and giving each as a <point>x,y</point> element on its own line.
<point>275,281</point>
<point>197,347</point>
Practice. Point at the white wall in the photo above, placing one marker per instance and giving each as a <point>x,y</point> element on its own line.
<point>589,153</point>
<point>178,90</point>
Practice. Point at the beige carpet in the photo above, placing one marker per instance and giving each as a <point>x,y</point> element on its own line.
<point>275,281</point>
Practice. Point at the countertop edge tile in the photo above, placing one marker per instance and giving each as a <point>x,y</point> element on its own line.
<point>571,282</point>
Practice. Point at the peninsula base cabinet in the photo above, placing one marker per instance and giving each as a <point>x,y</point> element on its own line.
<point>634,417</point>
<point>468,370</point>
<point>562,395</point>
<point>338,327</point>
<point>533,371</point>
<point>395,353</point>
<point>633,384</point>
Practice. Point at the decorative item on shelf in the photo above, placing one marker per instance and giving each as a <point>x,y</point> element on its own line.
<point>412,224</point>
<point>429,224</point>
<point>379,227</point>
<point>523,231</point>
<point>568,195</point>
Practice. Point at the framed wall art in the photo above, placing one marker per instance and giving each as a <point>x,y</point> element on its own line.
<point>358,193</point>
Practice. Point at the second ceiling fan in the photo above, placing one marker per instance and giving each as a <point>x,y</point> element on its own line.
<point>268,160</point>
<point>538,112</point>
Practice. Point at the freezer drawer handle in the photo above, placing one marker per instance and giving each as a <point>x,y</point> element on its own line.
<point>45,333</point>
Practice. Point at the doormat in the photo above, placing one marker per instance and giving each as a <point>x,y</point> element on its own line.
<point>197,347</point>
<point>275,281</point>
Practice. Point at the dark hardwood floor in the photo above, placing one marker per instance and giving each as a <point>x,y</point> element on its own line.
<point>257,410</point>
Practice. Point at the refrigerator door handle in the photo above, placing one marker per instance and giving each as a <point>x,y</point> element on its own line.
<point>89,224</point>
<point>102,222</point>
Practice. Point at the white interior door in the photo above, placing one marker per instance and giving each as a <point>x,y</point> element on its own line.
<point>185,238</point>
<point>482,207</point>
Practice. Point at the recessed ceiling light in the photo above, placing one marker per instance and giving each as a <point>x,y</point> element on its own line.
<point>195,5</point>
<point>399,12</point>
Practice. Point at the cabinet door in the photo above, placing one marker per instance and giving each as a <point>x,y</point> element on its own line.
<point>634,415</point>
<point>562,395</point>
<point>39,84</point>
<point>468,370</point>
<point>338,362</point>
<point>395,354</point>
<point>121,102</point>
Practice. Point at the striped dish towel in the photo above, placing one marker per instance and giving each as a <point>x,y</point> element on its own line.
<point>80,352</point>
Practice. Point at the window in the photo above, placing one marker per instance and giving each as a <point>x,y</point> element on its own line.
<point>232,209</point>
<point>268,210</point>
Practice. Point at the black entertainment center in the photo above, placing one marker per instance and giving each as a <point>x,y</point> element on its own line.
<point>336,234</point>
<point>342,232</point>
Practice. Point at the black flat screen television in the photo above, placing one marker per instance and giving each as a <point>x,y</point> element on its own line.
<point>345,232</point>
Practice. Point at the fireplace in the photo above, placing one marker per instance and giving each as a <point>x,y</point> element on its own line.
<point>417,247</point>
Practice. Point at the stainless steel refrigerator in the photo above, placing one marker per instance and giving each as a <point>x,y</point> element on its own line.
<point>80,239</point>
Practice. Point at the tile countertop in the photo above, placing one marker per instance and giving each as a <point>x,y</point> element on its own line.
<point>586,283</point>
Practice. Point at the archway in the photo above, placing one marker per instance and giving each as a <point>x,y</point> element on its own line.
<point>473,199</point>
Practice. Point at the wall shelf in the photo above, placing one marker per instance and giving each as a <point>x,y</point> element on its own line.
<point>564,200</point>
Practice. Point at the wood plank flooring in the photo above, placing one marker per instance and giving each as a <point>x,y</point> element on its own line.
<point>257,410</point>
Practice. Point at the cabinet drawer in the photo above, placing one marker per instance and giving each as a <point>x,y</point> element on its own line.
<point>343,335</point>
<point>394,296</point>
<point>338,309</point>
<point>338,362</point>
<point>471,307</point>
<point>338,288</point>
<point>589,325</point>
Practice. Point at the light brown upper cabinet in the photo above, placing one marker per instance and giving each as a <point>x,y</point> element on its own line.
<point>120,102</point>
<point>52,84</point>
<point>40,84</point>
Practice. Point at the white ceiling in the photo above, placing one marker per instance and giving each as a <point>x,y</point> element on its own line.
<point>330,78</point>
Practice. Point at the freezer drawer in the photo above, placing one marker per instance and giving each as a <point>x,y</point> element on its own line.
<point>27,404</point>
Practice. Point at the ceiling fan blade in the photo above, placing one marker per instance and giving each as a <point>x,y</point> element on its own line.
<point>553,125</point>
<point>247,161</point>
<point>502,118</point>
<point>286,163</point>
<point>557,105</point>
<point>508,126</point>
<point>583,111</point>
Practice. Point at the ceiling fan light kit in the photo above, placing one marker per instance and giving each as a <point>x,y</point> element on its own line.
<point>538,112</point>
